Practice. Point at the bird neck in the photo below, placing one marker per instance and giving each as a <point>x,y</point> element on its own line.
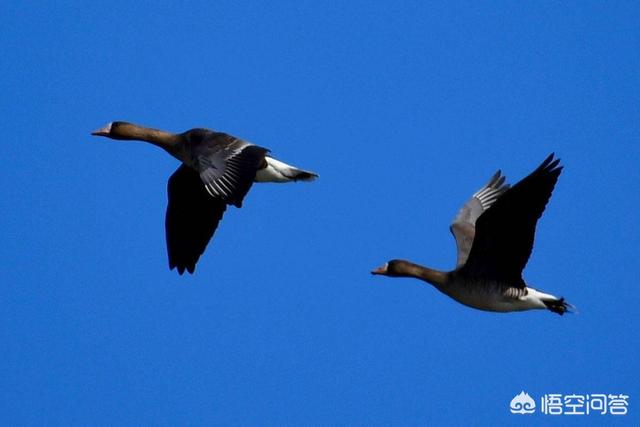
<point>429,275</point>
<point>166,140</point>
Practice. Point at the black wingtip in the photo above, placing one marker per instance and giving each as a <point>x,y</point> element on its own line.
<point>497,181</point>
<point>551,161</point>
<point>550,164</point>
<point>546,161</point>
<point>181,268</point>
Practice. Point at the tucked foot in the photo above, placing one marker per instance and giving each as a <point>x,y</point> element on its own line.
<point>559,306</point>
<point>300,175</point>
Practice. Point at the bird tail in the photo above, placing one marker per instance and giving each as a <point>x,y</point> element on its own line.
<point>277,171</point>
<point>559,306</point>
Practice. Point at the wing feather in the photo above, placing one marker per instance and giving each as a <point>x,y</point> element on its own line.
<point>505,233</point>
<point>463,226</point>
<point>228,166</point>
<point>192,218</point>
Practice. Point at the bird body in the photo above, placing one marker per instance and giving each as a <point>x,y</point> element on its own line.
<point>491,295</point>
<point>217,170</point>
<point>494,233</point>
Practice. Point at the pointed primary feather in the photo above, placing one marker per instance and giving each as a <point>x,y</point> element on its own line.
<point>192,217</point>
<point>463,226</point>
<point>505,232</point>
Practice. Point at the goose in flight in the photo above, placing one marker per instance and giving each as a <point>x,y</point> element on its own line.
<point>217,170</point>
<point>494,234</point>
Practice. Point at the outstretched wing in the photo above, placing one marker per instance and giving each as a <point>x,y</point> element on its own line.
<point>192,217</point>
<point>463,227</point>
<point>228,166</point>
<point>505,233</point>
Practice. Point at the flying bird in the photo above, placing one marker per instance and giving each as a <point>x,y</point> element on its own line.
<point>217,170</point>
<point>494,233</point>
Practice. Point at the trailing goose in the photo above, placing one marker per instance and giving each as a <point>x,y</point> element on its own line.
<point>217,170</point>
<point>494,234</point>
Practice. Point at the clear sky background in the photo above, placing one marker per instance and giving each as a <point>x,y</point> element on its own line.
<point>404,109</point>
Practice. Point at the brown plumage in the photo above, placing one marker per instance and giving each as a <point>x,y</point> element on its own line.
<point>217,170</point>
<point>494,233</point>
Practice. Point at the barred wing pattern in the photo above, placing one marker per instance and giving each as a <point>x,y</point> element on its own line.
<point>228,165</point>
<point>463,227</point>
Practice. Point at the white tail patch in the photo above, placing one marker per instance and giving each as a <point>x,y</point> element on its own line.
<point>534,298</point>
<point>277,171</point>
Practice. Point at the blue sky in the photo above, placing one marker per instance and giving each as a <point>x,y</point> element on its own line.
<point>404,109</point>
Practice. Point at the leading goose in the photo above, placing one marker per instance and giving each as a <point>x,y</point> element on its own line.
<point>217,170</point>
<point>494,234</point>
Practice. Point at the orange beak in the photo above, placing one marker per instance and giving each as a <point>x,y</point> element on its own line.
<point>380,270</point>
<point>103,131</point>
